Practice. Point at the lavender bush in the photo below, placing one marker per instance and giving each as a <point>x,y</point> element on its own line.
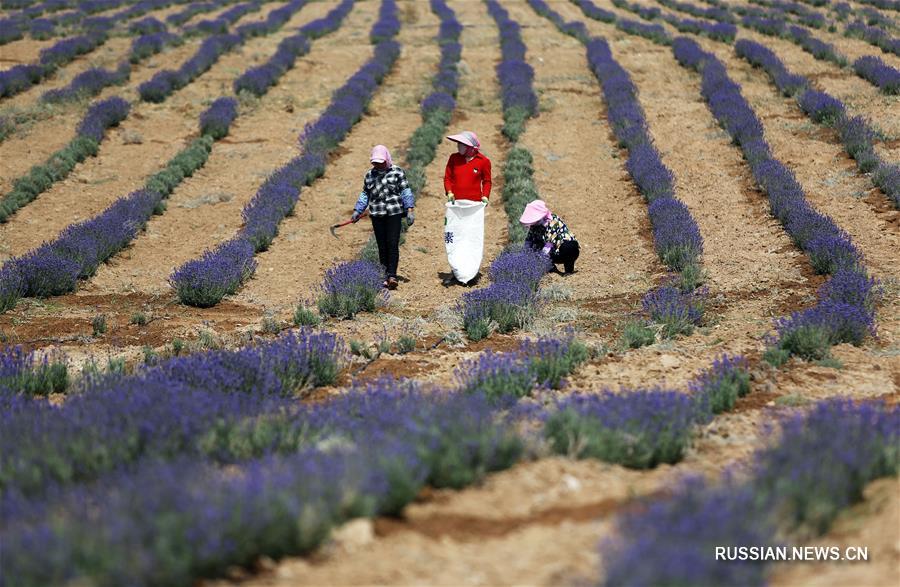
<point>26,373</point>
<point>277,196</point>
<point>717,388</point>
<point>551,358</point>
<point>876,71</point>
<point>216,120</point>
<point>218,272</point>
<point>350,288</point>
<point>638,429</point>
<point>498,376</point>
<point>90,132</point>
<point>516,77</point>
<point>678,312</point>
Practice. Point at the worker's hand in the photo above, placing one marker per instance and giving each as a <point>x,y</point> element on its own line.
<point>484,200</point>
<point>546,250</point>
<point>410,217</point>
<point>356,216</point>
<point>451,197</point>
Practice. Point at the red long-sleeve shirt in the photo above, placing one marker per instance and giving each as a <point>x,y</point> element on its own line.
<point>468,180</point>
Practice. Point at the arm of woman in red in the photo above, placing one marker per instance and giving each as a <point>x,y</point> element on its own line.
<point>448,176</point>
<point>486,178</point>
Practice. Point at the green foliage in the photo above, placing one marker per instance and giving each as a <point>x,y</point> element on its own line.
<point>568,432</point>
<point>306,316</point>
<point>271,325</point>
<point>550,368</point>
<point>810,342</point>
<point>514,120</point>
<point>139,319</point>
<point>637,334</point>
<point>347,306</point>
<point>182,165</point>
<point>691,277</point>
<point>478,329</point>
<point>41,178</point>
<point>406,344</point>
<point>518,190</point>
<point>776,356</point>
<point>98,324</point>
<point>48,376</point>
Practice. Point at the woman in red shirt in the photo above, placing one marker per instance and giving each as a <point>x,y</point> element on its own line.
<point>468,173</point>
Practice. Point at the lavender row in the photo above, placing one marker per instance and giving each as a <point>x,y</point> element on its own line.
<point>165,82</point>
<point>516,77</point>
<point>874,36</point>
<point>258,80</point>
<point>203,282</point>
<point>437,107</point>
<point>396,437</point>
<point>719,31</point>
<point>222,23</point>
<point>845,310</point>
<point>77,20</point>
<point>88,136</point>
<point>55,267</point>
<point>160,412</point>
<point>787,493</point>
<point>436,110</point>
<point>676,235</point>
<point>877,72</point>
<point>301,471</point>
<point>21,77</point>
<point>856,134</point>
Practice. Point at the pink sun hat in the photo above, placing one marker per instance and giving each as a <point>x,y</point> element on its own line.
<point>535,212</point>
<point>381,154</point>
<point>467,138</point>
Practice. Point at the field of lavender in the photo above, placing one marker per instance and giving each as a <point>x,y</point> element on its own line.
<point>201,384</point>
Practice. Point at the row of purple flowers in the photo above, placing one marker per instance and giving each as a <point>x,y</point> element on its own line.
<point>221,271</point>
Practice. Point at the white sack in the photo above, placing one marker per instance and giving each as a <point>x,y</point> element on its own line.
<point>464,237</point>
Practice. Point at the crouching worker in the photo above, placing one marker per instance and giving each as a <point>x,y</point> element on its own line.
<point>550,235</point>
<point>387,195</point>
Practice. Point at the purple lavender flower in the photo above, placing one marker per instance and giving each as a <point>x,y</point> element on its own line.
<point>677,311</point>
<point>634,428</point>
<point>851,287</point>
<point>832,253</point>
<point>218,272</point>
<point>506,305</point>
<point>103,115</point>
<point>12,286</point>
<point>821,107</point>
<point>217,119</point>
<point>350,288</point>
<point>717,389</point>
<point>499,376</point>
<point>524,265</point>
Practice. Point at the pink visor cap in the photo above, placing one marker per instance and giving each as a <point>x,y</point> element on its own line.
<point>467,138</point>
<point>535,212</point>
<point>380,154</point>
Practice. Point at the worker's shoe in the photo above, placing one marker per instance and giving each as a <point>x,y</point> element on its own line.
<point>391,283</point>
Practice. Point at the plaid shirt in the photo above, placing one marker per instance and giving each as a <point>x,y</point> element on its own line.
<point>554,232</point>
<point>386,192</point>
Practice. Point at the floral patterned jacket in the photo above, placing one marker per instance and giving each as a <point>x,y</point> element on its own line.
<point>554,232</point>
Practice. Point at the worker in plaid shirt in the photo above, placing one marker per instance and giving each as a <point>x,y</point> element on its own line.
<point>387,195</point>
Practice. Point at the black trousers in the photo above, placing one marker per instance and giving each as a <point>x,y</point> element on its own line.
<point>387,235</point>
<point>568,253</point>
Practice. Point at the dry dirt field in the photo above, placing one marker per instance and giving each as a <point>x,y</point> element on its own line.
<point>540,521</point>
